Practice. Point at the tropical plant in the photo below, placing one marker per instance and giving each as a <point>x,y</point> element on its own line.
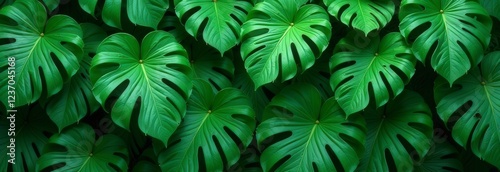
<point>250,85</point>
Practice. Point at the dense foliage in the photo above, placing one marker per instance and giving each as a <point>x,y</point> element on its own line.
<point>250,85</point>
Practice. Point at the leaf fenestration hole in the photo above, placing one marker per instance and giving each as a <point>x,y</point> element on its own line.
<point>280,162</point>
<point>334,158</point>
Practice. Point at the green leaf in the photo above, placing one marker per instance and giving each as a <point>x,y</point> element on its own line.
<point>397,133</point>
<point>31,131</point>
<point>365,15</point>
<point>76,100</point>
<point>146,12</point>
<point>307,133</point>
<point>281,39</point>
<point>381,65</point>
<point>243,82</point>
<point>88,6</point>
<point>472,108</point>
<point>454,33</point>
<point>208,65</point>
<point>220,20</point>
<point>319,76</point>
<point>47,52</point>
<point>51,4</point>
<point>154,78</point>
<point>78,149</point>
<point>140,12</point>
<point>492,6</point>
<point>211,132</point>
<point>441,156</point>
<point>147,162</point>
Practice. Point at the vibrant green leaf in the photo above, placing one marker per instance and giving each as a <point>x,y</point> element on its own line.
<point>365,15</point>
<point>140,12</point>
<point>220,20</point>
<point>454,33</point>
<point>211,132</point>
<point>47,52</point>
<point>309,133</point>
<point>78,149</point>
<point>381,65</point>
<point>88,6</point>
<point>154,78</point>
<point>76,100</point>
<point>281,39</point>
<point>472,109</point>
<point>31,131</point>
<point>397,132</point>
<point>146,12</point>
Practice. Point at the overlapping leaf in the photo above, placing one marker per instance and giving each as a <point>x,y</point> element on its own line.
<point>141,12</point>
<point>282,38</point>
<point>154,78</point>
<point>83,151</point>
<point>397,133</point>
<point>208,65</point>
<point>30,128</point>
<point>47,52</point>
<point>442,156</point>
<point>308,132</point>
<point>205,137</point>
<point>475,100</point>
<point>365,15</point>
<point>76,100</point>
<point>384,66</point>
<point>221,20</point>
<point>453,33</point>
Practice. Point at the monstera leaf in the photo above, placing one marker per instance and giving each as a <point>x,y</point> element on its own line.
<point>76,100</point>
<point>47,52</point>
<point>308,133</point>
<point>454,33</point>
<point>78,149</point>
<point>365,15</point>
<point>442,156</point>
<point>154,78</point>
<point>319,76</point>
<point>220,20</point>
<point>209,136</point>
<point>141,12</point>
<point>383,66</point>
<point>282,38</point>
<point>30,128</point>
<point>243,82</point>
<point>475,99</point>
<point>208,65</point>
<point>397,133</point>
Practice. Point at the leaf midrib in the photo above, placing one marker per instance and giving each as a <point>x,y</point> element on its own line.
<point>194,137</point>
<point>150,91</point>
<point>307,144</point>
<point>367,69</point>
<point>276,47</point>
<point>490,102</point>
<point>28,58</point>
